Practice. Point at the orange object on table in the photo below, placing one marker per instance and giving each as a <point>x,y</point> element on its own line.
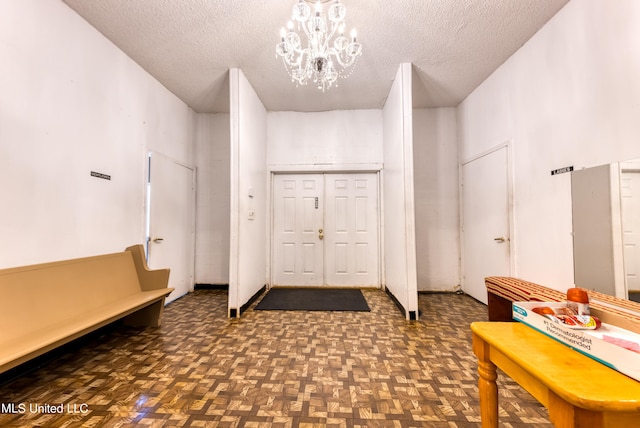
<point>578,300</point>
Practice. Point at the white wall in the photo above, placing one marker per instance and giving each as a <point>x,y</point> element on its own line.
<point>73,103</point>
<point>247,270</point>
<point>353,138</point>
<point>398,197</point>
<point>569,96</point>
<point>326,139</point>
<point>213,199</point>
<point>435,159</point>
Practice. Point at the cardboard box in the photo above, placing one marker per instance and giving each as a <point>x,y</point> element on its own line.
<point>588,342</point>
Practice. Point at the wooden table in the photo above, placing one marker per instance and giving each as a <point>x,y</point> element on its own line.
<point>577,390</point>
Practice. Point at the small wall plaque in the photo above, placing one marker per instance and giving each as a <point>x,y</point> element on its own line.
<point>100,175</point>
<point>562,170</point>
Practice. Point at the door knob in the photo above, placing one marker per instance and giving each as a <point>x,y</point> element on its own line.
<point>500,239</point>
<point>320,234</point>
<point>158,240</point>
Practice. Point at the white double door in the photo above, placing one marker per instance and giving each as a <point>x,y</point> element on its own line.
<point>325,230</point>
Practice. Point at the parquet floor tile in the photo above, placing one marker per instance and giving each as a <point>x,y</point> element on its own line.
<point>272,369</point>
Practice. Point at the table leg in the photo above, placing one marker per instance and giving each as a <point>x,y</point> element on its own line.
<point>486,383</point>
<point>565,415</point>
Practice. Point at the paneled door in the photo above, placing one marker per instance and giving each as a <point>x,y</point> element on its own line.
<point>351,230</point>
<point>325,230</point>
<point>297,229</point>
<point>630,206</point>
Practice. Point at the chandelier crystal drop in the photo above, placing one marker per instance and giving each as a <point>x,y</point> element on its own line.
<point>324,59</point>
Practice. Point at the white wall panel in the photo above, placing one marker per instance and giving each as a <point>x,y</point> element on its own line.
<point>73,103</point>
<point>346,137</point>
<point>212,198</point>
<point>248,255</point>
<point>435,155</point>
<point>399,221</point>
<point>568,97</point>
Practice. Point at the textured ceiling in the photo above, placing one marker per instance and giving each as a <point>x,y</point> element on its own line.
<point>189,45</point>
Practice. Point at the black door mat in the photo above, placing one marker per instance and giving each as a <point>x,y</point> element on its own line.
<point>313,299</point>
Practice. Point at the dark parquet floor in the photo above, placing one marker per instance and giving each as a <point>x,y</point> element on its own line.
<point>271,369</point>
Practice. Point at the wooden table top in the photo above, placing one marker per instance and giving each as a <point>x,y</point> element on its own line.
<point>576,378</point>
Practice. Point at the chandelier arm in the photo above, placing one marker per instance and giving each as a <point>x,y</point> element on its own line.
<point>338,55</point>
<point>323,46</point>
<point>288,67</point>
<point>295,57</point>
<point>298,50</point>
<point>333,52</point>
<point>303,24</point>
<point>303,53</point>
<point>324,59</point>
<point>330,34</point>
<point>326,37</point>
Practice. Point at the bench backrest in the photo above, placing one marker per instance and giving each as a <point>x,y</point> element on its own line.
<point>613,310</point>
<point>36,296</point>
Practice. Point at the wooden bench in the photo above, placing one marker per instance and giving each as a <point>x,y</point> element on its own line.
<point>502,291</point>
<point>47,305</point>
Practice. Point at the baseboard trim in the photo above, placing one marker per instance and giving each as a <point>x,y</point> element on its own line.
<point>253,298</point>
<point>211,287</point>
<point>397,302</point>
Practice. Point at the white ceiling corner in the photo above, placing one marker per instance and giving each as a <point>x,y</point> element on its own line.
<point>189,46</point>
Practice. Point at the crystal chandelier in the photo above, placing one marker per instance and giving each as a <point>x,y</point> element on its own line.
<point>322,61</point>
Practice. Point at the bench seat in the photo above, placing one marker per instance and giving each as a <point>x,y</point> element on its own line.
<point>47,305</point>
<point>502,291</point>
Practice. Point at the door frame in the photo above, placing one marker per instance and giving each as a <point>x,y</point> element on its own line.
<point>324,169</point>
<point>510,214</point>
<point>624,167</point>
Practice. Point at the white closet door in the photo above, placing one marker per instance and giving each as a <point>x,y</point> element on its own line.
<point>486,246</point>
<point>171,222</point>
